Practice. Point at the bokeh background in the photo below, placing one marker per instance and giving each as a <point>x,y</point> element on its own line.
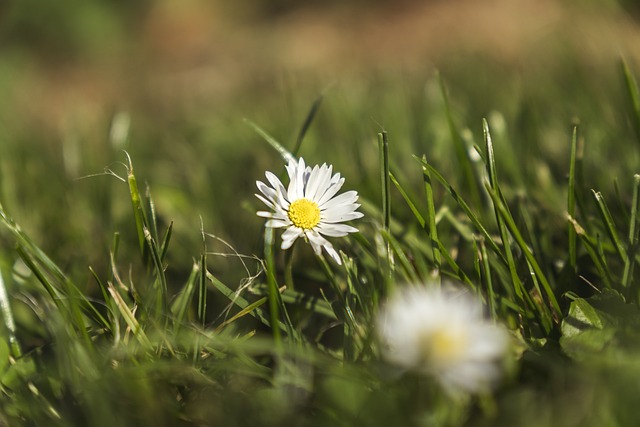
<point>171,82</point>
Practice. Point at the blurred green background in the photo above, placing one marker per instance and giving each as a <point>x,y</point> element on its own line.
<point>171,82</point>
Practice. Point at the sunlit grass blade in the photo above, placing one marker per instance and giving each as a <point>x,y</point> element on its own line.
<point>128,316</point>
<point>634,96</point>
<point>385,185</point>
<point>139,212</point>
<point>634,232</point>
<point>571,200</point>
<point>457,270</point>
<point>286,155</point>
<point>184,299</point>
<point>610,226</point>
<point>308,302</point>
<point>202,290</point>
<point>431,217</point>
<point>465,207</point>
<point>63,292</point>
<point>486,274</point>
<point>513,229</point>
<point>247,310</point>
<point>407,199</point>
<point>461,150</point>
<point>504,235</point>
<point>242,303</point>
<point>8,320</point>
<point>591,246</point>
<point>407,268</point>
<point>162,301</point>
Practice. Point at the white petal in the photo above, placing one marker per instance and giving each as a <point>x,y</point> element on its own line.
<point>333,254</point>
<point>264,214</point>
<point>269,203</point>
<point>277,223</point>
<point>269,192</point>
<point>336,230</point>
<point>334,212</point>
<point>343,199</point>
<point>313,182</point>
<point>275,182</point>
<point>316,241</point>
<point>320,183</point>
<point>330,219</point>
<point>331,191</point>
<point>296,185</point>
<point>289,236</point>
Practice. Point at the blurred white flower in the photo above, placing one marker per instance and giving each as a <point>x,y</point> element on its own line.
<point>308,207</point>
<point>443,334</point>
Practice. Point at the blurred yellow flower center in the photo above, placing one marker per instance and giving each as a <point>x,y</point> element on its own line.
<point>444,345</point>
<point>304,214</point>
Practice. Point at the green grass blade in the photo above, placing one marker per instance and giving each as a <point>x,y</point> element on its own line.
<point>486,274</point>
<point>164,247</point>
<point>274,293</point>
<point>610,226</point>
<point>504,235</point>
<point>202,290</point>
<point>591,246</point>
<point>242,303</point>
<point>571,201</point>
<point>305,125</point>
<point>286,155</point>
<point>513,228</point>
<point>8,320</point>
<point>385,185</point>
<point>182,302</point>
<point>138,210</point>
<point>465,207</point>
<point>634,96</point>
<point>407,199</point>
<point>461,150</point>
<point>128,316</point>
<point>161,296</point>
<point>634,232</point>
<point>431,217</point>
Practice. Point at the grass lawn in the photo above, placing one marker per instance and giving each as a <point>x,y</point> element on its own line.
<point>469,259</point>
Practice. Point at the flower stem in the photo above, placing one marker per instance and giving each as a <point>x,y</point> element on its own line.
<point>273,287</point>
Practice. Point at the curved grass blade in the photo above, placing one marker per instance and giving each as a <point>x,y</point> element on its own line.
<point>286,155</point>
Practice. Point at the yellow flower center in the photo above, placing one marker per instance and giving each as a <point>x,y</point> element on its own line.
<point>444,345</point>
<point>304,213</point>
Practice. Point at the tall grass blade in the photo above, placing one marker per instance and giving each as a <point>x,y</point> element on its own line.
<point>286,155</point>
<point>128,316</point>
<point>504,235</point>
<point>431,218</point>
<point>610,226</point>
<point>305,125</point>
<point>571,201</point>
<point>202,290</point>
<point>407,199</point>
<point>385,185</point>
<point>465,207</point>
<point>513,229</point>
<point>634,232</point>
<point>273,292</point>
<point>8,320</point>
<point>138,210</point>
<point>634,96</point>
<point>461,150</point>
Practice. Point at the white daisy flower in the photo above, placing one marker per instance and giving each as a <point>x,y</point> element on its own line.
<point>443,334</point>
<point>307,207</point>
